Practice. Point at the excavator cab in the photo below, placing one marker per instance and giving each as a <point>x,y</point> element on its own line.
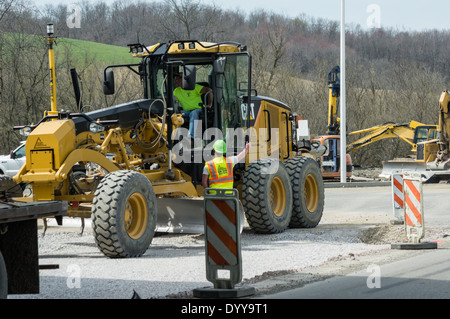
<point>425,133</point>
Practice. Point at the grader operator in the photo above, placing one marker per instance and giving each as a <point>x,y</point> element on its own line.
<point>132,170</point>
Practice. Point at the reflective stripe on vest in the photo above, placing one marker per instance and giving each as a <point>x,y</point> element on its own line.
<point>220,172</point>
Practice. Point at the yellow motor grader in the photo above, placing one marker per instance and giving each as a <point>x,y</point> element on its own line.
<point>131,169</point>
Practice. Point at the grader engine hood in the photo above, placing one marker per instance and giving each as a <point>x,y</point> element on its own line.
<point>46,148</point>
<point>127,114</point>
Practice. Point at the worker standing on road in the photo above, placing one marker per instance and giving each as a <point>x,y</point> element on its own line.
<point>218,173</point>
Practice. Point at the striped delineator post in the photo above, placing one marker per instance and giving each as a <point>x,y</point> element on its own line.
<point>397,195</point>
<point>414,214</point>
<point>223,245</point>
<point>413,198</point>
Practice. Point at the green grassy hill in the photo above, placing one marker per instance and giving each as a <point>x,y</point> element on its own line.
<point>70,51</point>
<point>86,51</point>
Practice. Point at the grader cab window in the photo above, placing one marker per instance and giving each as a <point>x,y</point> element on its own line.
<point>159,88</point>
<point>235,90</point>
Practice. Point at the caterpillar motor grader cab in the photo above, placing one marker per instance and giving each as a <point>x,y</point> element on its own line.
<point>130,169</point>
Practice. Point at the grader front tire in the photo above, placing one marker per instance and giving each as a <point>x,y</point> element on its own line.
<point>124,214</point>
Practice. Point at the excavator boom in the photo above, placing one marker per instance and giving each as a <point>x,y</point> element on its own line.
<point>404,131</point>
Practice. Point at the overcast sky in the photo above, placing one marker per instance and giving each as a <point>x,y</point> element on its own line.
<point>402,14</point>
<point>407,15</point>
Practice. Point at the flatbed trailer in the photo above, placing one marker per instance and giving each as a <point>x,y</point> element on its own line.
<point>19,264</point>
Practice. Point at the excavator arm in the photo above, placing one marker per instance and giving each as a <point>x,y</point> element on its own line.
<point>404,131</point>
<point>333,98</point>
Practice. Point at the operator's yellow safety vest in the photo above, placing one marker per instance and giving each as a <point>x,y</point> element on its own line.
<point>220,171</point>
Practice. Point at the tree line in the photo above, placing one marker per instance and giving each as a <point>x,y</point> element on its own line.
<point>392,76</point>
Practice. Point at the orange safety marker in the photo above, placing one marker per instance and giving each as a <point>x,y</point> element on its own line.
<point>222,242</point>
<point>397,196</point>
<point>413,209</point>
<point>222,245</point>
<point>414,214</point>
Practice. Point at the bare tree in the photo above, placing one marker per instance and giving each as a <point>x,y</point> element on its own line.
<point>188,20</point>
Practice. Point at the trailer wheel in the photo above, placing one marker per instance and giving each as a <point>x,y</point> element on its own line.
<point>267,196</point>
<point>3,279</point>
<point>308,192</point>
<point>124,214</point>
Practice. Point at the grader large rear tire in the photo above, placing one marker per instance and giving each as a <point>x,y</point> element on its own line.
<point>124,214</point>
<point>267,196</point>
<point>308,192</point>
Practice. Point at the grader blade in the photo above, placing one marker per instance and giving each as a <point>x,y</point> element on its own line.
<point>180,215</point>
<point>184,215</point>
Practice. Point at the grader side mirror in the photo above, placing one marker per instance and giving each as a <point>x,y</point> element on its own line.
<point>108,82</point>
<point>189,77</point>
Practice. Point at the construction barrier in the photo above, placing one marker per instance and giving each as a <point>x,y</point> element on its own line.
<point>397,195</point>
<point>413,195</point>
<point>222,245</point>
<point>413,214</point>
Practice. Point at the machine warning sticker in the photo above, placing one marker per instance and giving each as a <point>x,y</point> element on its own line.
<point>40,144</point>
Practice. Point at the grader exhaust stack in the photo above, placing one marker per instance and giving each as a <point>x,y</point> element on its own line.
<point>51,57</point>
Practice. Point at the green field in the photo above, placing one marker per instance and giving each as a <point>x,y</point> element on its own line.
<point>83,52</point>
<point>70,51</point>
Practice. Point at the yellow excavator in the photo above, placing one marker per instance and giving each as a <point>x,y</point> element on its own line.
<point>413,133</point>
<point>431,158</point>
<point>132,170</point>
<point>330,159</point>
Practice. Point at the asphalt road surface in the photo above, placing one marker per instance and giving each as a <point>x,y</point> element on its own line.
<point>374,204</point>
<point>418,274</point>
<point>424,276</point>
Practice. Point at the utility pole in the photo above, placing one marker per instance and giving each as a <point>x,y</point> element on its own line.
<point>343,163</point>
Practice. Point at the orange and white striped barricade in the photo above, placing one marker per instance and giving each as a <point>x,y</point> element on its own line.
<point>413,194</point>
<point>223,245</point>
<point>397,196</point>
<point>414,213</point>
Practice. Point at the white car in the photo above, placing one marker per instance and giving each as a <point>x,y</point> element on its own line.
<point>10,164</point>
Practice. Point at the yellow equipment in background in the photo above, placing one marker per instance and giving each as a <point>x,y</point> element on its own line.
<point>429,147</point>
<point>411,133</point>
<point>432,152</point>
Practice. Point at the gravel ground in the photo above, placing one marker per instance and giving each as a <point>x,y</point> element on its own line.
<point>174,265</point>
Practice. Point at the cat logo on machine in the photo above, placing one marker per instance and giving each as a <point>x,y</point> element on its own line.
<point>40,144</point>
<point>244,111</point>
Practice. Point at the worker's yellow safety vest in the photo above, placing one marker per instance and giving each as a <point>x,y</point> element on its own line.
<point>220,171</point>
